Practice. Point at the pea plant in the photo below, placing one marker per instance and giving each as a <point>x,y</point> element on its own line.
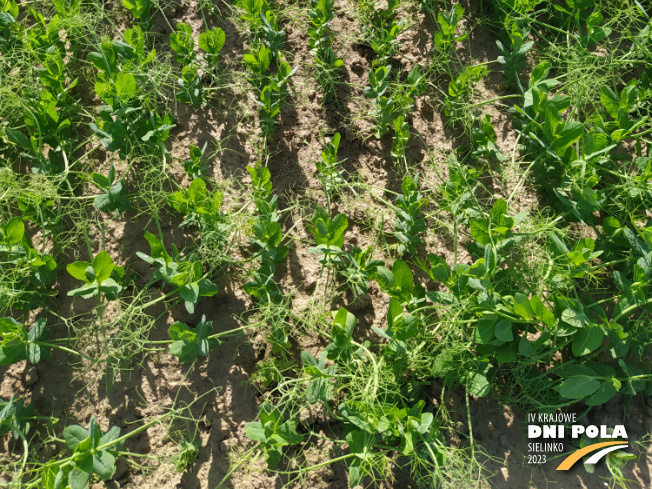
<point>27,274</point>
<point>266,237</point>
<point>267,43</point>
<point>331,174</point>
<point>140,10</point>
<point>382,28</point>
<point>512,55</point>
<point>385,109</point>
<point>190,83</point>
<point>188,343</point>
<point>94,453</point>
<point>358,268</point>
<point>114,196</point>
<point>49,115</point>
<point>271,89</point>
<point>185,273</point>
<point>18,343</point>
<point>408,224</point>
<point>101,277</point>
<point>448,22</point>
<point>192,67</point>
<point>328,63</point>
<point>199,206</point>
<point>539,199</point>
<point>194,167</point>
<point>211,42</point>
<point>128,121</point>
<point>329,235</point>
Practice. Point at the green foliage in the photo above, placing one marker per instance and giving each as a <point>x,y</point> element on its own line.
<point>327,231</point>
<point>460,90</point>
<point>183,44</point>
<point>263,24</point>
<point>43,36</point>
<point>267,232</point>
<point>358,268</point>
<point>385,110</point>
<point>10,29</point>
<point>183,273</point>
<point>200,206</point>
<point>117,127</point>
<point>327,63</point>
<point>18,343</point>
<point>114,196</point>
<point>194,167</point>
<point>116,57</point>
<point>397,282</point>
<point>140,9</point>
<point>457,194</point>
<point>401,138</point>
<point>378,82</point>
<point>331,174</point>
<point>47,113</point>
<point>93,454</point>
<point>447,22</point>
<point>512,56</point>
<point>254,11</point>
<point>381,29</point>
<point>329,235</point>
<point>190,83</point>
<point>15,417</point>
<point>27,273</point>
<point>408,224</point>
<point>494,228</point>
<point>41,211</point>
<point>341,348</point>
<point>100,277</point>
<point>258,62</point>
<point>273,433</point>
<point>272,36</point>
<point>388,109</point>
<point>52,76</point>
<point>12,237</point>
<point>188,453</point>
<point>128,121</point>
<point>527,308</point>
<point>400,327</point>
<point>271,89</point>
<point>484,140</point>
<point>319,388</point>
<point>189,343</point>
<point>267,238</point>
<point>212,42</point>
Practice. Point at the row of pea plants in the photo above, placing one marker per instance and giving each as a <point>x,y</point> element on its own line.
<point>266,44</point>
<point>391,100</point>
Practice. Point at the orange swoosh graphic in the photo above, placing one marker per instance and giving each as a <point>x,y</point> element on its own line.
<point>575,456</point>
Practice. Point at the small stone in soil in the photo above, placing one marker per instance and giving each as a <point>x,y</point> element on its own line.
<point>31,377</point>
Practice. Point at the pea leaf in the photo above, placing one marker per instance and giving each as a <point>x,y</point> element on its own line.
<point>605,392</point>
<point>503,331</point>
<point>188,343</point>
<point>586,340</point>
<point>578,387</point>
<point>522,306</point>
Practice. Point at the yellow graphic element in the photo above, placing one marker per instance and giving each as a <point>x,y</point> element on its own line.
<point>575,456</point>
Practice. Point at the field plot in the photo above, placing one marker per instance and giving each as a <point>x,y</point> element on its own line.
<point>324,243</point>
